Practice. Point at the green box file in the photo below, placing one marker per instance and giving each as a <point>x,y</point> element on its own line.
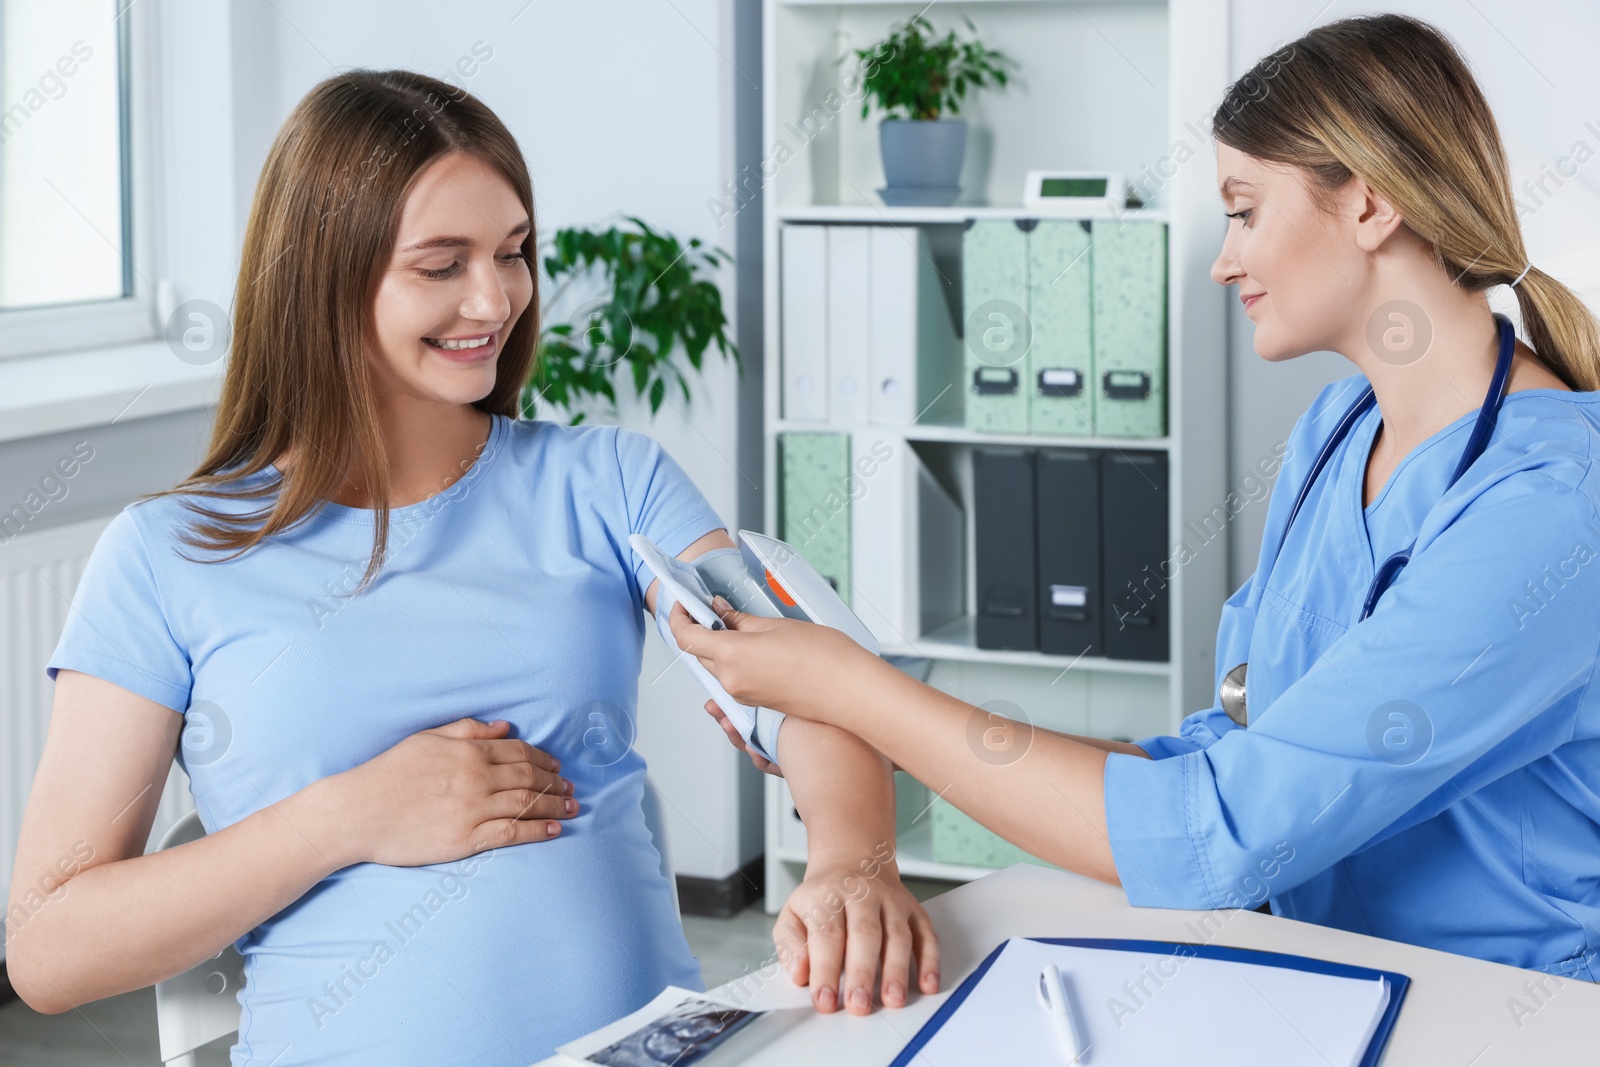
<point>1130,328</point>
<point>959,838</point>
<point>814,510</point>
<point>996,329</point>
<point>1060,359</point>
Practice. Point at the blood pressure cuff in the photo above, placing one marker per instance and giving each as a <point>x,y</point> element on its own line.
<point>724,573</point>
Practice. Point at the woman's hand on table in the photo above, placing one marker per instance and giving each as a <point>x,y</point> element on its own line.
<point>450,792</point>
<point>848,922</point>
<point>770,663</point>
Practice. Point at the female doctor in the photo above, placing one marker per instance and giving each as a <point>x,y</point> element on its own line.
<point>1414,750</point>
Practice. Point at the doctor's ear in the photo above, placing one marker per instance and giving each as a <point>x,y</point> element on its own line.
<point>1376,219</point>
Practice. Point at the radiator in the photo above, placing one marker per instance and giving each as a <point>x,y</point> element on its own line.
<point>39,572</point>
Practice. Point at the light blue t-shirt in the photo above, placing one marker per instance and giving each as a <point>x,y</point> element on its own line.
<point>1430,774</point>
<point>511,595</point>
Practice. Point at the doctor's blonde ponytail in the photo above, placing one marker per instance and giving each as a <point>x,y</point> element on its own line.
<point>1389,98</point>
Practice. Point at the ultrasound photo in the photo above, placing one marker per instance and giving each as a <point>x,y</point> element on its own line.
<point>681,1037</point>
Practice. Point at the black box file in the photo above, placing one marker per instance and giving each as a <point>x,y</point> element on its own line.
<point>1067,498</point>
<point>1133,516</point>
<point>1003,542</point>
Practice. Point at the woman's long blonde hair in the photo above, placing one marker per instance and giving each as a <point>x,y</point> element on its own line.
<point>1389,98</point>
<point>321,231</point>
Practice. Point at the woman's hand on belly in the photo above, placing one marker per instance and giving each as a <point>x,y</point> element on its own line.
<point>449,792</point>
<point>857,919</point>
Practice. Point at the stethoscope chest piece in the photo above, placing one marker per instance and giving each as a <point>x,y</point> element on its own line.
<point>1232,695</point>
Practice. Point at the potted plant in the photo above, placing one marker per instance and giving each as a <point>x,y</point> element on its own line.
<point>916,79</point>
<point>657,299</point>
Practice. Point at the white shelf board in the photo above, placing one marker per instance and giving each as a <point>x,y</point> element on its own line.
<point>962,435</point>
<point>958,641</point>
<point>955,213</point>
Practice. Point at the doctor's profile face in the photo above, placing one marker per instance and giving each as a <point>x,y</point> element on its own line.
<point>1294,260</point>
<point>456,283</point>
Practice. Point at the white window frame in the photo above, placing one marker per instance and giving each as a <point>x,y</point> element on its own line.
<point>129,319</point>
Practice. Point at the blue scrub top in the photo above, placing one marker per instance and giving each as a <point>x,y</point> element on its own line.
<point>511,595</point>
<point>1430,774</point>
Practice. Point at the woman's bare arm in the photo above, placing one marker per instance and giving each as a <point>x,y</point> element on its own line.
<point>1038,789</point>
<point>852,912</point>
<point>91,916</point>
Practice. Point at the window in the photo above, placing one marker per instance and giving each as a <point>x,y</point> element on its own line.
<point>74,269</point>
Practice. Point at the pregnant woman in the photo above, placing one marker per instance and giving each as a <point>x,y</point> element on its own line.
<point>393,634</point>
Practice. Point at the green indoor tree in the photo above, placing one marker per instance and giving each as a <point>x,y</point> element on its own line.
<point>658,296</point>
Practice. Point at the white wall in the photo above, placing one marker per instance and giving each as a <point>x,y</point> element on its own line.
<point>1534,61</point>
<point>618,107</point>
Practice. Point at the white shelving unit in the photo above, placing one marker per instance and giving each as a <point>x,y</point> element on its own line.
<point>1113,84</point>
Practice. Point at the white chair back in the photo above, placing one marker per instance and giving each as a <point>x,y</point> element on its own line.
<point>201,1004</point>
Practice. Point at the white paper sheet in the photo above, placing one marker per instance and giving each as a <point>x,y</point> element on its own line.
<point>1161,1008</point>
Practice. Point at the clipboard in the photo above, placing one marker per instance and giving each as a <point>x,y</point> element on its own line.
<point>1398,983</point>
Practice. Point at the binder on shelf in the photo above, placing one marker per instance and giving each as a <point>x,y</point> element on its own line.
<point>850,305</point>
<point>815,506</point>
<point>1130,328</point>
<point>996,329</point>
<point>804,322</point>
<point>1003,534</point>
<point>1133,508</point>
<point>916,355</point>
<point>1060,360</point>
<point>1067,500</point>
<point>906,541</point>
<point>941,554</point>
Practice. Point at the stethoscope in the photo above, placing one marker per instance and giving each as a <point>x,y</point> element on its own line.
<point>1232,692</point>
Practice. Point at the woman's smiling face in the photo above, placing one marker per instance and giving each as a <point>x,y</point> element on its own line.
<point>454,286</point>
<point>1296,264</point>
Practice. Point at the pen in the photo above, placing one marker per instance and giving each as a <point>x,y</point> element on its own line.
<point>1053,997</point>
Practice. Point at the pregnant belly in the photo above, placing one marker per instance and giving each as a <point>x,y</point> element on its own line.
<point>493,959</point>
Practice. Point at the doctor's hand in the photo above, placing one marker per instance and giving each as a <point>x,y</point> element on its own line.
<point>770,663</point>
<point>849,922</point>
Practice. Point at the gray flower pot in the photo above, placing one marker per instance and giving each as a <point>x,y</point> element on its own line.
<point>923,157</point>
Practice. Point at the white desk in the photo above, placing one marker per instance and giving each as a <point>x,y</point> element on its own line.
<point>1456,1012</point>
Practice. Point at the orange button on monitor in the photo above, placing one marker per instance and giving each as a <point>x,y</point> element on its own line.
<point>783,594</point>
